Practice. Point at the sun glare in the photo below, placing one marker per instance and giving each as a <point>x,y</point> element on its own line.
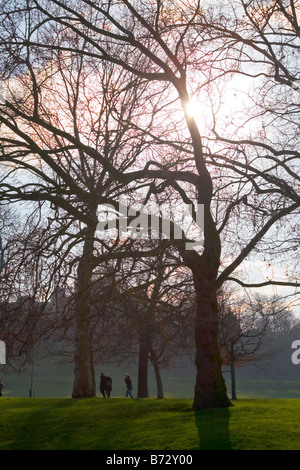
<point>193,109</point>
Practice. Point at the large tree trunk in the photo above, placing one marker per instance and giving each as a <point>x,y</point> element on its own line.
<point>143,367</point>
<point>232,375</point>
<point>159,384</point>
<point>84,382</point>
<point>210,389</point>
<point>93,371</point>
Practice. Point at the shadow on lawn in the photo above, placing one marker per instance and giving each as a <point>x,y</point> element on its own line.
<point>213,429</point>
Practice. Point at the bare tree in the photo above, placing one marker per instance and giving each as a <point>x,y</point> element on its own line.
<point>141,314</point>
<point>248,330</point>
<point>247,188</point>
<point>72,180</point>
<point>114,44</point>
<point>24,283</point>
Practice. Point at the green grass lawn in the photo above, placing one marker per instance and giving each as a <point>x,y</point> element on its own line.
<point>147,424</point>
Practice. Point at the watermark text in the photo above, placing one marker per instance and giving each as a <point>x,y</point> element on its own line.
<point>155,222</point>
<point>2,353</point>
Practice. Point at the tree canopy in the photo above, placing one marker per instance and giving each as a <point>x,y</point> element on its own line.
<point>100,102</point>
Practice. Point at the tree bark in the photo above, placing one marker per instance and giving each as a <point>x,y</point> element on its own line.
<point>159,384</point>
<point>84,382</point>
<point>210,389</point>
<point>93,371</point>
<point>232,375</point>
<point>143,367</point>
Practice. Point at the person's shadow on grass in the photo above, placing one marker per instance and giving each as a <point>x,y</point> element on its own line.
<point>213,429</point>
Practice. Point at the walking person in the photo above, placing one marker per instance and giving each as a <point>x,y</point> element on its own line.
<point>1,387</point>
<point>128,385</point>
<point>102,386</point>
<point>108,385</point>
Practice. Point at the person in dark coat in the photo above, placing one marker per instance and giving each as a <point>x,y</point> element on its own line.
<point>102,386</point>
<point>1,387</point>
<point>108,385</point>
<point>128,385</point>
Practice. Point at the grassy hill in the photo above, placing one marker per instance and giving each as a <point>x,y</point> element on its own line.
<point>147,424</point>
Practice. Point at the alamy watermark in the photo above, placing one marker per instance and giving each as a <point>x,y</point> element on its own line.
<point>153,222</point>
<point>2,353</point>
<point>296,354</point>
<point>2,94</point>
